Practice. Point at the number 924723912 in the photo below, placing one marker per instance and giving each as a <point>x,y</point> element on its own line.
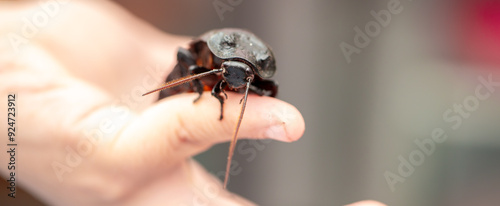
<point>11,117</point>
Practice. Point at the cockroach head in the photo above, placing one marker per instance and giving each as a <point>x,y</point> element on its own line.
<point>236,74</point>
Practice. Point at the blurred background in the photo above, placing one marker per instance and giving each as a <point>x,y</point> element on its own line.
<point>364,117</point>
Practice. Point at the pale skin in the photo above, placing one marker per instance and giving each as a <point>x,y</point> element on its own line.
<point>80,75</point>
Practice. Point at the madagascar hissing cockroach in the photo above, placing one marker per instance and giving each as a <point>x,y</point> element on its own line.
<point>223,59</point>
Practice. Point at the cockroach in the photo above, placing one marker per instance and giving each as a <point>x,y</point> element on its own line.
<point>223,59</point>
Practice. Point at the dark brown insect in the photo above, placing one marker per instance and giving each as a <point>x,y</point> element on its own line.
<point>223,59</point>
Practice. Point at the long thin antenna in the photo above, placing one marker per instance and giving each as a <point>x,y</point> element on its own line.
<point>182,80</point>
<point>235,136</point>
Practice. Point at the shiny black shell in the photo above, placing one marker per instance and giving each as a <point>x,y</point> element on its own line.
<point>242,45</point>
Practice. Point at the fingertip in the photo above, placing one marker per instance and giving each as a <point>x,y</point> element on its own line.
<point>268,117</point>
<point>293,122</point>
<point>289,126</point>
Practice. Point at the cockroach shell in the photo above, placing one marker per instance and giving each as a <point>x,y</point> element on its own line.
<point>244,46</point>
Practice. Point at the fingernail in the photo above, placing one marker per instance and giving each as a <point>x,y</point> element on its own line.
<point>276,132</point>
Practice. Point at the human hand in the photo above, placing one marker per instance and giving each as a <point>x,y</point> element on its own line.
<point>86,135</point>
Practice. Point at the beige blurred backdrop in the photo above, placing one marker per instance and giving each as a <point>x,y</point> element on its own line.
<point>363,115</point>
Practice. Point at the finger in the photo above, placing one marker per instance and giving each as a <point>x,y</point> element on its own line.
<point>366,203</point>
<point>177,128</point>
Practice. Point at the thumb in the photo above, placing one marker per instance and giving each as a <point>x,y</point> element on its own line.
<point>176,128</point>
